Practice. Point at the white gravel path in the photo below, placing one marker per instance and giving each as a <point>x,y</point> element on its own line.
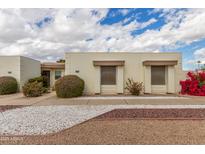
<point>35,120</point>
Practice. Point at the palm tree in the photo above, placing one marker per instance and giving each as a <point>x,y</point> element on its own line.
<point>198,62</point>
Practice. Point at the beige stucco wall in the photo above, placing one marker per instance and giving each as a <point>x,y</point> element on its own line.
<point>30,68</point>
<point>21,68</point>
<point>133,67</point>
<point>10,66</point>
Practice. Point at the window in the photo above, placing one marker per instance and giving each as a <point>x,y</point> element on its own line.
<point>57,74</point>
<point>108,75</point>
<point>158,75</point>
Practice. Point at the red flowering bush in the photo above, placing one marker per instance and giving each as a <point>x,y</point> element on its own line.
<point>194,84</point>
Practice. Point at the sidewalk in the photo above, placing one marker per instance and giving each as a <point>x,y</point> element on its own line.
<point>125,100</point>
<point>20,99</point>
<point>51,99</point>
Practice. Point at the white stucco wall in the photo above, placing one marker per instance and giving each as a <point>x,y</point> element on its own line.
<point>133,67</point>
<point>19,67</point>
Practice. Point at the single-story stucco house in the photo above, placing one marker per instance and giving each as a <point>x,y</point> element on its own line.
<point>107,73</point>
<point>20,67</point>
<point>104,73</point>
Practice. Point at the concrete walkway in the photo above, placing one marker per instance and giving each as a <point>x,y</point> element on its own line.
<point>127,100</point>
<point>20,99</point>
<point>51,99</point>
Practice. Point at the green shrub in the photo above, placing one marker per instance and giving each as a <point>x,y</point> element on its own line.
<point>33,89</point>
<point>134,87</point>
<point>8,85</point>
<point>42,79</point>
<point>69,86</point>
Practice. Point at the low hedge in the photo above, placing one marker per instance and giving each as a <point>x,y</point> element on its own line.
<point>69,86</point>
<point>8,85</point>
<point>33,89</point>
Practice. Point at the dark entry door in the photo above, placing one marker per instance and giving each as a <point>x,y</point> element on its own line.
<point>47,74</point>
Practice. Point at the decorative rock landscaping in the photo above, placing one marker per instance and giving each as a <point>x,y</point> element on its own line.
<point>46,119</point>
<point>37,120</point>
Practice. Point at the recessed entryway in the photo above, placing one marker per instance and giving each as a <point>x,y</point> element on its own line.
<point>47,74</point>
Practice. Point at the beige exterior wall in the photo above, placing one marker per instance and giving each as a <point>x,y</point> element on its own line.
<point>29,68</point>
<point>19,67</point>
<point>133,68</point>
<point>10,66</point>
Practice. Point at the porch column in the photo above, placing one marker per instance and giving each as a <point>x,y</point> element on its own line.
<point>171,80</point>
<point>147,80</point>
<point>97,80</point>
<point>120,79</point>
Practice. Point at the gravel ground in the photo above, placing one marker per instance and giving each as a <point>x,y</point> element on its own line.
<point>35,120</point>
<point>38,120</point>
<point>185,114</point>
<point>122,132</point>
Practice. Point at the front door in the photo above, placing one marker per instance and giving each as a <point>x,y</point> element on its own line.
<point>47,74</point>
<point>108,80</point>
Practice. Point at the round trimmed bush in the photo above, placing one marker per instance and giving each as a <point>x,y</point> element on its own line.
<point>69,86</point>
<point>33,89</point>
<point>8,85</point>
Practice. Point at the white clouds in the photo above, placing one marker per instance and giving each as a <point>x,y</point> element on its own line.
<point>183,26</point>
<point>200,55</point>
<point>70,28</point>
<point>124,12</point>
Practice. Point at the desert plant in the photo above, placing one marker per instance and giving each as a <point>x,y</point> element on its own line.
<point>33,89</point>
<point>69,86</point>
<point>8,85</point>
<point>134,87</point>
<point>42,79</point>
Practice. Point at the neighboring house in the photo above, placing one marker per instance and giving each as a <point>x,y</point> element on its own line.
<point>107,73</point>
<point>19,67</point>
<point>23,69</point>
<point>53,71</point>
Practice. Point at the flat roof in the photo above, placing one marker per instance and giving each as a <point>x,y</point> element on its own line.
<point>11,56</point>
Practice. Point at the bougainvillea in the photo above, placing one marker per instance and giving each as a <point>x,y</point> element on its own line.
<point>194,84</point>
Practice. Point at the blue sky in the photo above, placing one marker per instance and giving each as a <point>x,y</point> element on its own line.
<point>144,15</point>
<point>46,34</point>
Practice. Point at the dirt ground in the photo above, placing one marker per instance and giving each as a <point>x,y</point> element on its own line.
<point>128,131</point>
